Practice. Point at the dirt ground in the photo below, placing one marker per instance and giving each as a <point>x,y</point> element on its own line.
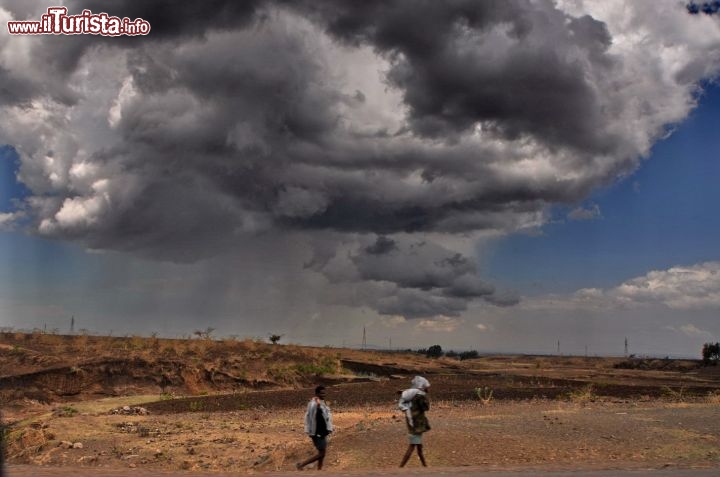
<point>543,434</point>
<point>237,407</point>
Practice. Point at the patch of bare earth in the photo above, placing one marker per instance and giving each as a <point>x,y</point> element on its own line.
<point>242,406</point>
<point>543,434</point>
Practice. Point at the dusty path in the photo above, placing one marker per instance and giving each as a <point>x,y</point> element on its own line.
<point>542,435</point>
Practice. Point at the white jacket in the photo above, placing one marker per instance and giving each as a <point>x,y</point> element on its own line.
<point>310,422</point>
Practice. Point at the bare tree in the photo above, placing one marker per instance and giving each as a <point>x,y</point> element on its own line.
<point>205,334</point>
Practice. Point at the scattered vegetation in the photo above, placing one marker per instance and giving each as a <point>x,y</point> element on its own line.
<point>65,411</point>
<point>485,394</point>
<point>677,396</point>
<point>583,395</point>
<point>713,397</point>
<point>324,365</point>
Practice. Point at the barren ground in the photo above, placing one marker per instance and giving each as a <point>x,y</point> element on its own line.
<point>544,412</point>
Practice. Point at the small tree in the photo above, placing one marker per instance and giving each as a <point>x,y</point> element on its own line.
<point>711,353</point>
<point>435,351</point>
<point>204,334</point>
<point>275,338</point>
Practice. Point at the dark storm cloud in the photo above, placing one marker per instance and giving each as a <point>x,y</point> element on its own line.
<point>508,64</point>
<point>504,298</point>
<point>178,212</point>
<point>402,276</point>
<point>237,119</point>
<point>50,67</point>
<point>14,90</point>
<point>381,246</point>
<point>412,303</point>
<point>426,279</point>
<point>171,19</point>
<point>470,286</point>
<point>416,265</point>
<point>59,56</point>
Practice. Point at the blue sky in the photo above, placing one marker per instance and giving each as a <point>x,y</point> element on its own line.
<point>661,215</point>
<point>500,182</point>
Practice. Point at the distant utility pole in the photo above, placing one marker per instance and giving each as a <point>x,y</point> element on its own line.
<point>390,344</point>
<point>626,347</point>
<point>586,351</point>
<point>72,324</point>
<point>558,352</point>
<point>364,343</point>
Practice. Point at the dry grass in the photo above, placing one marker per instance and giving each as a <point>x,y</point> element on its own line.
<point>677,395</point>
<point>713,397</point>
<point>583,395</point>
<point>484,394</point>
<point>258,360</point>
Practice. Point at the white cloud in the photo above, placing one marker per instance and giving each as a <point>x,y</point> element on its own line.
<point>692,287</point>
<point>80,212</point>
<point>695,287</point>
<point>392,321</point>
<point>125,96</point>
<point>692,330</point>
<point>6,220</point>
<point>441,324</point>
<point>589,213</point>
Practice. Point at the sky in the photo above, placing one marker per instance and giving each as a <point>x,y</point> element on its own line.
<point>504,176</point>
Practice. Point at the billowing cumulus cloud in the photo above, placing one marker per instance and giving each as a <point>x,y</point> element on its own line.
<point>372,129</point>
<point>690,287</point>
<point>404,276</point>
<point>682,288</point>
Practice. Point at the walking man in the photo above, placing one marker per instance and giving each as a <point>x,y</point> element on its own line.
<point>318,425</point>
